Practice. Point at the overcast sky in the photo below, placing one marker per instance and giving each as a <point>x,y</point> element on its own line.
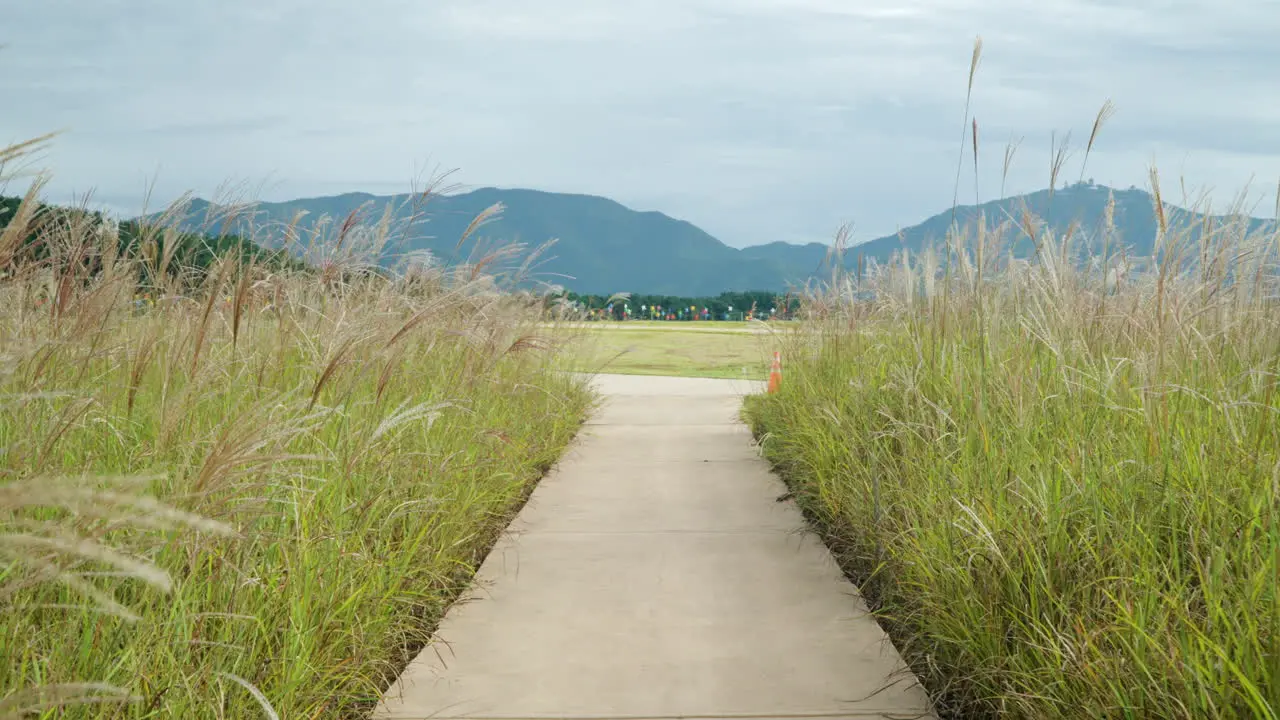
<point>758,120</point>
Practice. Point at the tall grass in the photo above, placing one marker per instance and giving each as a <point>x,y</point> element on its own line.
<point>254,493</point>
<point>1058,479</point>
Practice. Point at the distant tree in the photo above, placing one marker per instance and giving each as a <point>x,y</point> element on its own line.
<point>193,255</point>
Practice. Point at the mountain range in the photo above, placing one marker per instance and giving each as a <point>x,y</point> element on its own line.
<point>602,246</point>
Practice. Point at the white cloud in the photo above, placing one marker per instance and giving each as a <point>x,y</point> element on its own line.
<point>757,119</point>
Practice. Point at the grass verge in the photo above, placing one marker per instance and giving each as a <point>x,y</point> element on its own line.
<point>1057,483</point>
<point>256,496</point>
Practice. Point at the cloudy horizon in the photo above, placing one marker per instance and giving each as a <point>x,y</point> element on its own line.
<point>757,120</point>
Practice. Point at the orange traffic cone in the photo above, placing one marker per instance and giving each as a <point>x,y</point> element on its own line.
<point>775,373</point>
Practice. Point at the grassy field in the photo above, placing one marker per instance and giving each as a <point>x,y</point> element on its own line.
<point>260,491</point>
<point>690,352</point>
<point>1057,487</point>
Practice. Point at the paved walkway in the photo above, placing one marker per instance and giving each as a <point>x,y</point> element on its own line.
<point>655,574</point>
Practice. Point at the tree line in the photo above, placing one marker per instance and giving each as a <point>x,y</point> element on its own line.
<point>760,304</point>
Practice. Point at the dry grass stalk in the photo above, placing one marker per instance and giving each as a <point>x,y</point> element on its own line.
<point>268,470</point>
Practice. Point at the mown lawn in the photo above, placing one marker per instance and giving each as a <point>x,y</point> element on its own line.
<point>682,352</point>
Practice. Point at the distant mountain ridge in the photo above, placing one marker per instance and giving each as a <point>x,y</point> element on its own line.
<point>604,247</point>
<point>601,246</point>
<point>1082,204</point>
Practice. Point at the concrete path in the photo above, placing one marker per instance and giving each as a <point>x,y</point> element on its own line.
<point>655,574</point>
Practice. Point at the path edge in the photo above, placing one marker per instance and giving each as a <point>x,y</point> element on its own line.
<point>832,539</point>
<point>459,591</point>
